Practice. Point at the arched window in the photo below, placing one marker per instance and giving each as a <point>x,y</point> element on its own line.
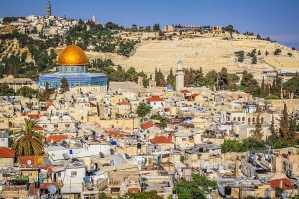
<point>249,120</point>
<point>239,119</point>
<point>234,118</point>
<point>262,120</point>
<point>243,119</point>
<point>253,120</point>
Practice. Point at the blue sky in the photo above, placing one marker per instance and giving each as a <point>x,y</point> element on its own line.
<point>275,18</point>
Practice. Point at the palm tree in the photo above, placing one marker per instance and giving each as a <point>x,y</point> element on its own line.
<point>26,141</point>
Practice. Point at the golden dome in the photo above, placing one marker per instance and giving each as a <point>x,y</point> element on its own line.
<point>72,56</point>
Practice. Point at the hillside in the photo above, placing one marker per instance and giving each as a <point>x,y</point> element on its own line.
<point>208,53</point>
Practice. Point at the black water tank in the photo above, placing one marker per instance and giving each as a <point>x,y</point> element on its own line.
<point>200,149</point>
<point>138,145</point>
<point>227,190</point>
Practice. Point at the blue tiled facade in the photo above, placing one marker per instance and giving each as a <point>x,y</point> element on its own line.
<point>75,75</point>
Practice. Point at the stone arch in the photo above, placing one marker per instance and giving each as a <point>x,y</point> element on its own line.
<point>239,119</point>
<point>243,119</point>
<point>249,120</point>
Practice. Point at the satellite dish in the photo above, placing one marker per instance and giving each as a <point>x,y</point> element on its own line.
<point>29,162</point>
<point>52,189</point>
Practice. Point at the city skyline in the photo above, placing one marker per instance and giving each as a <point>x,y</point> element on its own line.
<point>275,19</point>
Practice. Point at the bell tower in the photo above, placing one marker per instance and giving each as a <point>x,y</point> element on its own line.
<point>48,10</point>
<point>179,76</point>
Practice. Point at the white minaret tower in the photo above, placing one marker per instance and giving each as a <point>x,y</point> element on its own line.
<point>179,76</point>
<point>48,10</point>
<point>93,18</point>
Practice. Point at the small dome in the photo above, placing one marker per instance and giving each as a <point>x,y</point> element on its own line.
<point>66,117</point>
<point>53,118</point>
<point>180,62</point>
<point>169,87</point>
<point>72,56</point>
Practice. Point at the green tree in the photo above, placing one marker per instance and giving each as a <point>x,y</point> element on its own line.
<point>6,91</point>
<point>26,91</point>
<point>266,53</point>
<point>26,141</point>
<point>249,83</point>
<point>162,120</point>
<point>47,92</point>
<point>142,195</point>
<point>254,60</point>
<point>258,131</point>
<point>156,27</point>
<point>274,137</point>
<point>143,109</point>
<point>197,188</point>
<point>284,124</point>
<point>64,86</point>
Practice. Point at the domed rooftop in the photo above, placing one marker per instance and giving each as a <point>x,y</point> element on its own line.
<point>72,56</point>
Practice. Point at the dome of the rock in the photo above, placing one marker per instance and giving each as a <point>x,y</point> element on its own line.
<point>72,56</point>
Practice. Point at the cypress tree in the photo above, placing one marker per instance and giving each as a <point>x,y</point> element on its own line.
<point>200,75</point>
<point>258,131</point>
<point>292,131</point>
<point>263,89</point>
<point>64,86</point>
<point>284,124</point>
<point>47,92</point>
<point>274,136</point>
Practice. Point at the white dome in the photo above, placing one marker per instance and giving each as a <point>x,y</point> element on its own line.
<point>66,117</point>
<point>54,118</point>
<point>43,118</point>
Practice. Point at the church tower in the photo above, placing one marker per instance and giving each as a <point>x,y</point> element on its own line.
<point>48,10</point>
<point>179,76</point>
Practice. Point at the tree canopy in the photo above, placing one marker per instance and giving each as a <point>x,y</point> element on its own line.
<point>197,188</point>
<point>143,109</point>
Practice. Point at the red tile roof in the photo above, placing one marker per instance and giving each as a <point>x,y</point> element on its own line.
<point>33,116</point>
<point>166,109</point>
<point>154,98</point>
<point>160,140</point>
<point>38,128</point>
<point>133,190</point>
<point>185,91</point>
<point>111,132</point>
<point>123,103</point>
<point>146,125</point>
<point>286,183</point>
<point>194,95</point>
<point>6,153</point>
<point>49,104</point>
<point>56,138</point>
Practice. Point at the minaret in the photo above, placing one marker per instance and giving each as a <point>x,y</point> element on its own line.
<point>48,10</point>
<point>93,18</point>
<point>179,79</point>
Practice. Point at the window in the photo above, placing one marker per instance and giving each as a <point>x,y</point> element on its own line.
<point>59,174</point>
<point>183,139</point>
<point>55,125</point>
<point>243,119</point>
<point>239,119</point>
<point>74,173</point>
<point>44,126</point>
<point>67,125</point>
<point>82,118</point>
